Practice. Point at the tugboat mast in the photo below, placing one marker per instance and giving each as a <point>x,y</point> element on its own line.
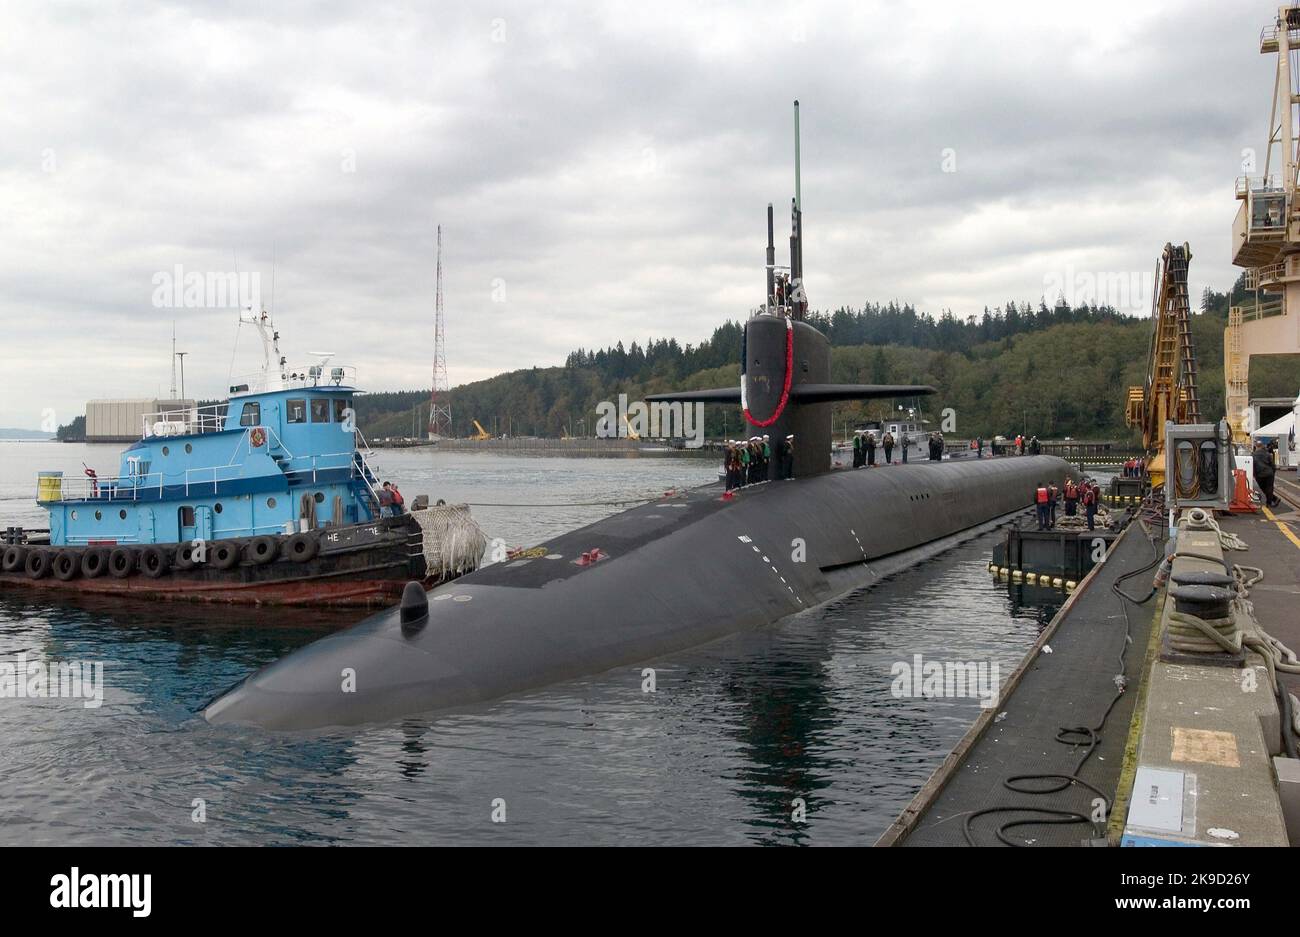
<point>270,343</point>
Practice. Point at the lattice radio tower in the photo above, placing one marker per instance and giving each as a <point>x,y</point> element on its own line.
<point>439,399</point>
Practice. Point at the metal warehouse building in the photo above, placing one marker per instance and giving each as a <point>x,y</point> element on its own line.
<point>123,420</point>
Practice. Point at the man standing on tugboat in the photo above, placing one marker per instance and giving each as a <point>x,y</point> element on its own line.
<point>395,499</point>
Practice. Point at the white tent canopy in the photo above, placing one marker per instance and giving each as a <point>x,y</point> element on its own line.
<point>1283,429</point>
<point>1280,427</point>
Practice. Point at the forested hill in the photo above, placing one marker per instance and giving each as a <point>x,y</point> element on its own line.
<point>1054,371</point>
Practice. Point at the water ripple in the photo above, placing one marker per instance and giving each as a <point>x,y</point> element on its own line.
<point>737,735</point>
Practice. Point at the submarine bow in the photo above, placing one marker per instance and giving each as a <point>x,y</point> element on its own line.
<point>674,573</point>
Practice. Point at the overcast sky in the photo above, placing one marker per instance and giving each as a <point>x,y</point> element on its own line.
<point>600,171</point>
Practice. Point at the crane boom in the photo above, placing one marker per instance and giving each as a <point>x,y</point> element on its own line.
<point>1170,391</point>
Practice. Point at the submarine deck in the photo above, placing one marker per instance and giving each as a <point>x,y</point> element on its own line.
<point>615,535</point>
<point>1066,680</point>
<point>908,489</point>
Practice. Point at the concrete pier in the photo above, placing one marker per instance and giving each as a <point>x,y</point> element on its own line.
<point>1206,769</point>
<point>1191,753</point>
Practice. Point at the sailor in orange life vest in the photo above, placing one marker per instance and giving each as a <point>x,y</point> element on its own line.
<point>1071,497</point>
<point>1090,498</point>
<point>1043,505</point>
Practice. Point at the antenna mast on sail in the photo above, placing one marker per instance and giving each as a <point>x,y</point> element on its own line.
<point>798,298</point>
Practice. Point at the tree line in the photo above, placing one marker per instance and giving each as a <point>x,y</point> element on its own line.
<point>1051,370</point>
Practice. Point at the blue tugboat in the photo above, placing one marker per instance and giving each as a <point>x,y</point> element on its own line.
<point>265,498</point>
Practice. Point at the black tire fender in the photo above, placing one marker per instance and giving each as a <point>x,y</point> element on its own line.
<point>261,550</point>
<point>65,565</point>
<point>301,547</point>
<point>15,559</point>
<point>155,561</point>
<point>184,558</point>
<point>94,563</point>
<point>37,564</point>
<point>121,562</point>
<point>225,554</point>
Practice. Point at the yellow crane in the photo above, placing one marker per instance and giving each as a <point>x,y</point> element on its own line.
<point>1170,389</point>
<point>482,434</point>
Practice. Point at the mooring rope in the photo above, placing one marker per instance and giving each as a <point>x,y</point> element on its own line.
<point>559,504</point>
<point>1239,629</point>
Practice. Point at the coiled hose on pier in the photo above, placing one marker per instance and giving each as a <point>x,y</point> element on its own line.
<point>1038,784</point>
<point>1191,634</point>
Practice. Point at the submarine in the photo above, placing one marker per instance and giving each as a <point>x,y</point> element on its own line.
<point>686,569</point>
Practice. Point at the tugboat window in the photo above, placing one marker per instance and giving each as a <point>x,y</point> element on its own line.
<point>188,448</point>
<point>99,515</point>
<point>122,514</point>
<point>297,410</point>
<point>74,515</point>
<point>340,404</point>
<point>270,502</point>
<point>251,415</point>
<point>187,517</point>
<point>320,498</point>
<point>320,410</point>
<point>166,451</point>
<point>217,507</point>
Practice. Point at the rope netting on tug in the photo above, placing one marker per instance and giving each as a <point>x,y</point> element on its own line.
<point>453,542</point>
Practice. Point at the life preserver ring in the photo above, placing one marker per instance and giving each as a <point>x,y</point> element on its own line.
<point>257,438</point>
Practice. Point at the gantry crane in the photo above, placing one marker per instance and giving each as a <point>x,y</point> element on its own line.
<point>1170,389</point>
<point>1266,235</point>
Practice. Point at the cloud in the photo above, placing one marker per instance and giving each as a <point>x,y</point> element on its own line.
<point>602,168</point>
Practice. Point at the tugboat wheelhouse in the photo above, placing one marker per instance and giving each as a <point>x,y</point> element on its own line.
<point>269,462</point>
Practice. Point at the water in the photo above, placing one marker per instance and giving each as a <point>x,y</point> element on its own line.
<point>735,735</point>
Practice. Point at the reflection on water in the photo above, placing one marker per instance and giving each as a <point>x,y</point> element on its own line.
<point>736,736</point>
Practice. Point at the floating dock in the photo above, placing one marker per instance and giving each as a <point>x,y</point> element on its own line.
<point>1184,752</point>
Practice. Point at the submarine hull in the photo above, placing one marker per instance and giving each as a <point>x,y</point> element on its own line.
<point>678,572</point>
